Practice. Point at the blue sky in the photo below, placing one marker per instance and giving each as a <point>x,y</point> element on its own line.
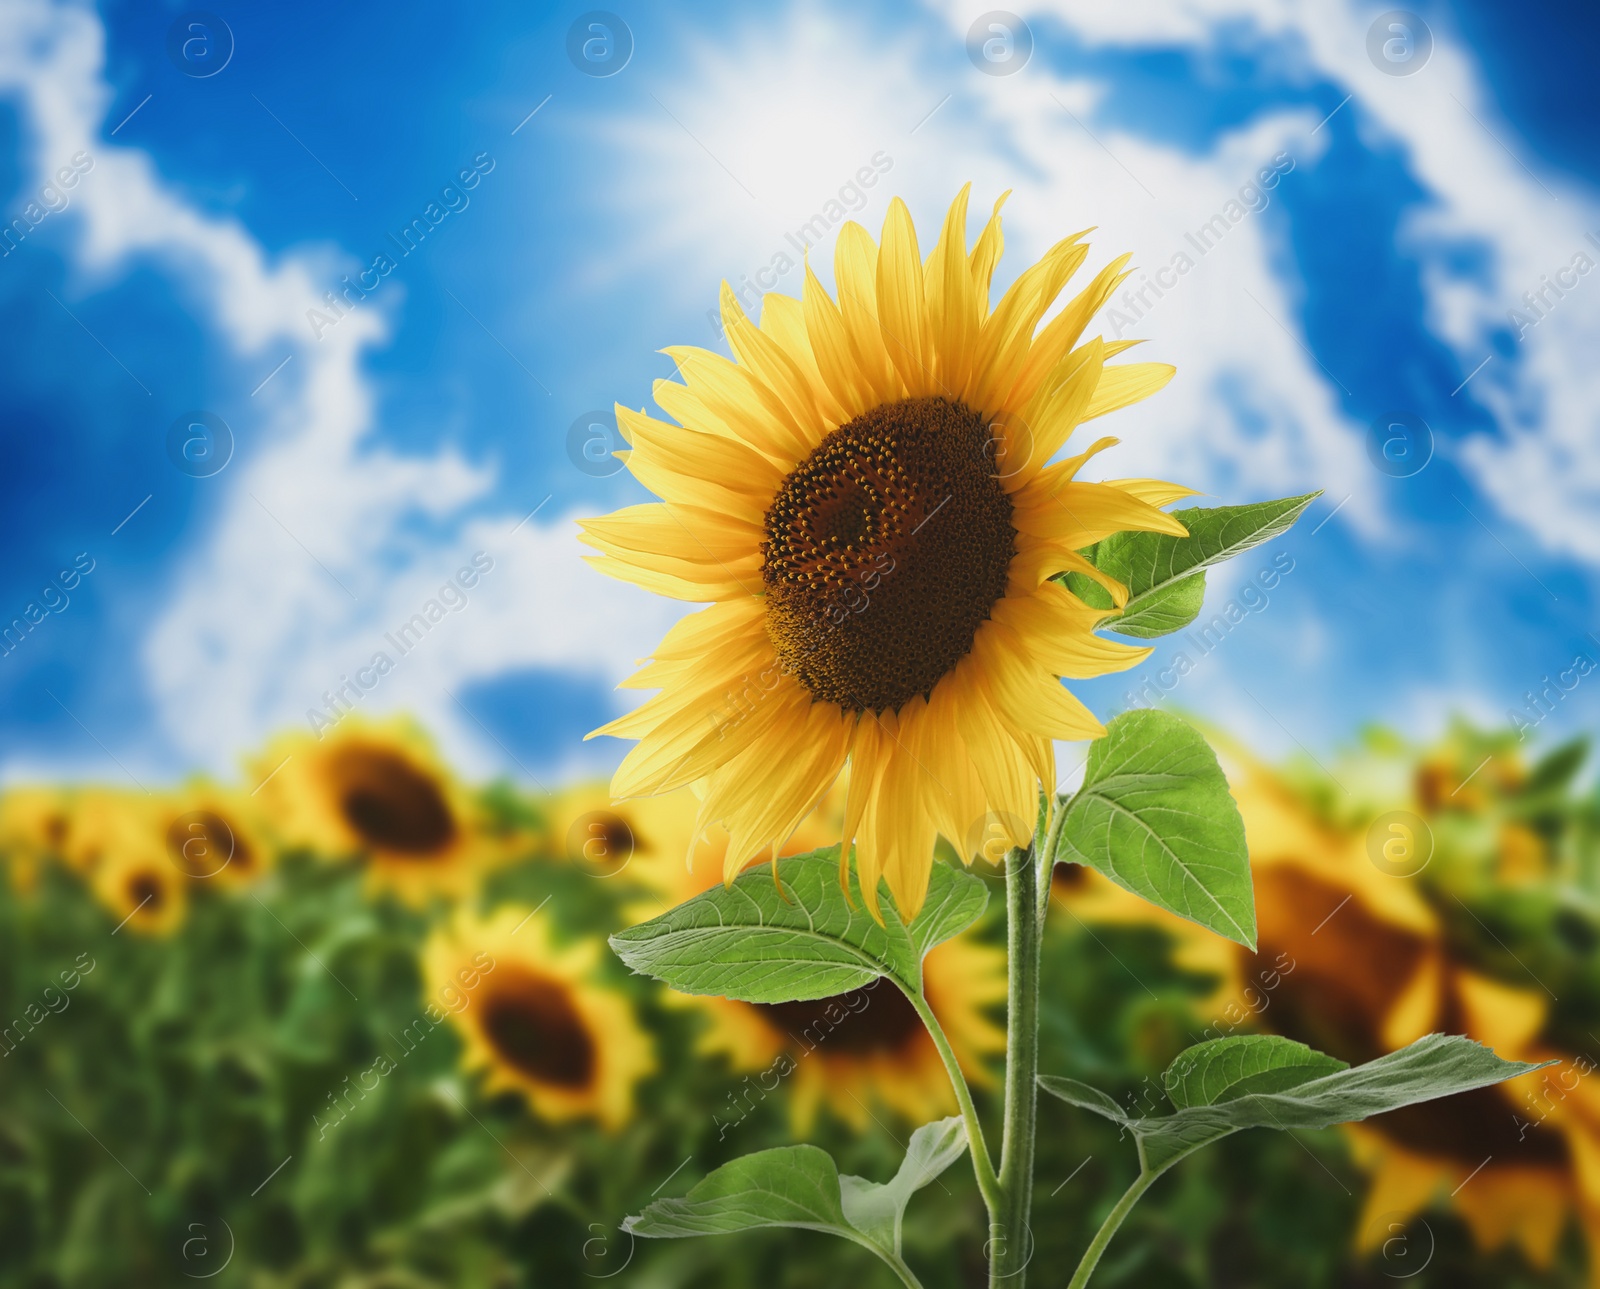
<point>425,426</point>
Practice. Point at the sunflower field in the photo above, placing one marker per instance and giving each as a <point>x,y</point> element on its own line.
<point>353,1022</point>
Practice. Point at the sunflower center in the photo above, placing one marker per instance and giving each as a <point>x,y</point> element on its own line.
<point>144,889</point>
<point>201,844</point>
<point>535,1028</point>
<point>885,550</point>
<point>857,1023</point>
<point>392,804</point>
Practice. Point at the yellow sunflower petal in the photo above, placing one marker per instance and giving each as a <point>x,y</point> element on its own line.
<point>1027,696</point>
<point>855,273</point>
<point>1057,629</point>
<point>1062,332</point>
<point>779,370</point>
<point>732,401</point>
<point>704,555</point>
<point>1153,492</point>
<point>957,802</point>
<point>1061,404</point>
<point>986,254</point>
<point>997,758</point>
<point>899,831</point>
<point>1037,561</point>
<point>784,319</point>
<point>902,308</point>
<point>1077,514</point>
<point>760,799</point>
<point>1127,383</point>
<point>952,300</point>
<point>1007,334</point>
<point>829,339</point>
<point>698,469</point>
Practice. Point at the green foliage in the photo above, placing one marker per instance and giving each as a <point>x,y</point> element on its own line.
<point>800,937</point>
<point>1165,575</point>
<point>878,1209</point>
<point>1307,1096</point>
<point>1155,816</point>
<point>800,1186</point>
<point>1226,1069</point>
<point>789,1186</point>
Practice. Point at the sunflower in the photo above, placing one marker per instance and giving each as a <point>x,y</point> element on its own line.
<point>139,885</point>
<point>211,832</point>
<point>34,824</point>
<point>378,790</point>
<point>1355,961</point>
<point>103,823</point>
<point>653,839</point>
<point>865,497</point>
<point>868,1045</point>
<point>534,1018</point>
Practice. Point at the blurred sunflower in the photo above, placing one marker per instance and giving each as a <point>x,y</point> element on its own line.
<point>865,497</point>
<point>378,790</point>
<point>867,1046</point>
<point>537,1021</point>
<point>653,839</point>
<point>139,885</point>
<point>1355,961</point>
<point>212,833</point>
<point>103,823</point>
<point>34,824</point>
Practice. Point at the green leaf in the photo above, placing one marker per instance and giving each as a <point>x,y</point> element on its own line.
<point>1155,816</point>
<point>1162,609</point>
<point>876,1209</point>
<point>800,1186</point>
<point>789,1186</point>
<point>1439,1065</point>
<point>1226,1069</point>
<point>1165,574</point>
<point>1555,771</point>
<point>750,942</point>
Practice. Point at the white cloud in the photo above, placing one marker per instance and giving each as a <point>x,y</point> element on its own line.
<point>314,555</point>
<point>788,109</point>
<point>784,110</point>
<point>1485,188</point>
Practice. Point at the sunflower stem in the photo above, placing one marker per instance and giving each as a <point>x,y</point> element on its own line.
<point>977,1144</point>
<point>898,1266</point>
<point>1108,1228</point>
<point>1047,865</point>
<point>1010,1236</point>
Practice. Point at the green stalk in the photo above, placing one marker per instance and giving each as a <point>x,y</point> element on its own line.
<point>1108,1228</point>
<point>977,1146</point>
<point>1052,843</point>
<point>1010,1238</point>
<point>907,1277</point>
